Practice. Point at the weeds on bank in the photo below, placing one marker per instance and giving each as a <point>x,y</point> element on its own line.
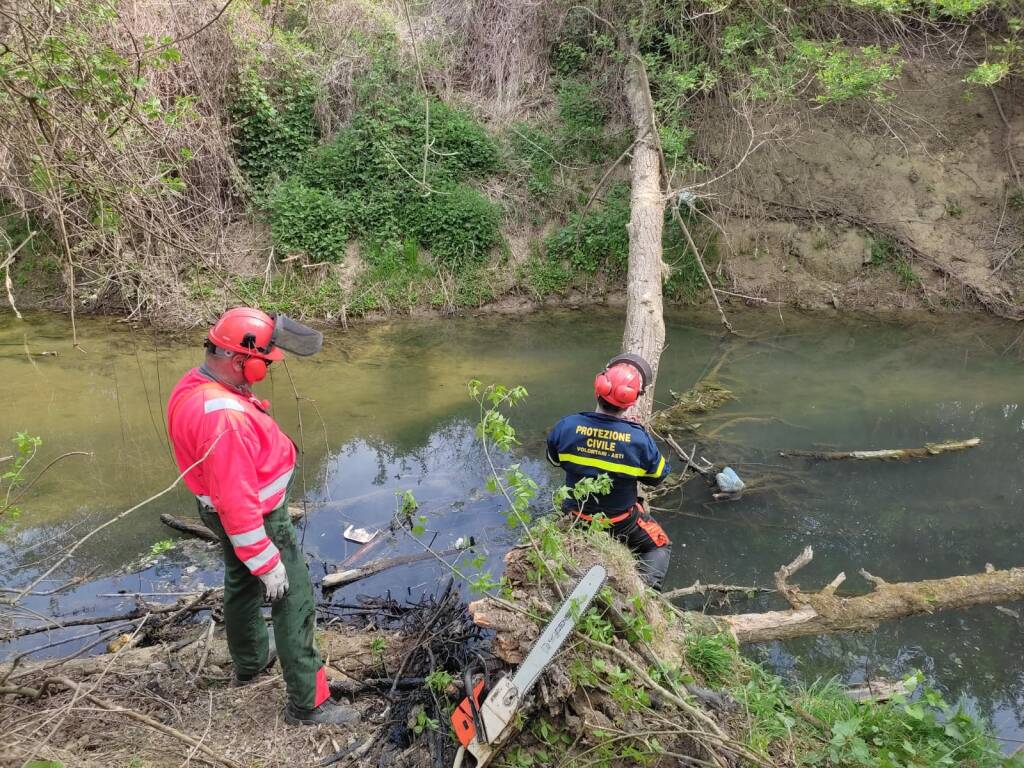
<point>820,725</point>
<point>885,254</point>
<point>373,181</point>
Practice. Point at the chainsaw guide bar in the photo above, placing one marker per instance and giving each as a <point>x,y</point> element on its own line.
<point>482,728</point>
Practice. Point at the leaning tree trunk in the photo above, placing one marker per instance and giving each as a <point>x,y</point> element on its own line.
<point>645,326</point>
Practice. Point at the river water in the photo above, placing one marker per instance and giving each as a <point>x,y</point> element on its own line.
<point>385,410</point>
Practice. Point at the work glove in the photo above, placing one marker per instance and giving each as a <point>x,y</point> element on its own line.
<point>275,582</point>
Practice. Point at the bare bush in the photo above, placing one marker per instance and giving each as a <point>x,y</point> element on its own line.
<point>116,144</point>
<point>500,49</point>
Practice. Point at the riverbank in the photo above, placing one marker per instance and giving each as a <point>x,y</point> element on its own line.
<point>896,193</point>
<point>596,706</point>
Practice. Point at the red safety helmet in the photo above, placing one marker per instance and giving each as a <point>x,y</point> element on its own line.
<point>247,331</point>
<point>623,380</point>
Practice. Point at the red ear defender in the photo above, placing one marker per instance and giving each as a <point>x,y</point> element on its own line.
<point>620,384</point>
<point>254,370</point>
<point>626,393</point>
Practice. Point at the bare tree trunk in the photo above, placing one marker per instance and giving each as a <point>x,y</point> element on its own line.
<point>645,325</point>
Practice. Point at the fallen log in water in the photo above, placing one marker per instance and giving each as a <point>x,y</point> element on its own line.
<point>341,578</point>
<point>929,449</point>
<point>814,613</point>
<point>192,529</point>
<point>200,531</point>
<point>822,613</point>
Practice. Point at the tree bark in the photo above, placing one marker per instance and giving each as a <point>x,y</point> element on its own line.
<point>645,326</point>
<point>930,449</point>
<point>815,613</point>
<point>823,613</point>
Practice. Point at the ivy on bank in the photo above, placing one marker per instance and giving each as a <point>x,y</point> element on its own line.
<point>389,176</point>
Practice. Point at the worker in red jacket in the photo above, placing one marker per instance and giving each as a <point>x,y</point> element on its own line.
<point>240,465</point>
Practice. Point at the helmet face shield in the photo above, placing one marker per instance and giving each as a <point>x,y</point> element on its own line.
<point>295,337</point>
<point>646,374</point>
<point>292,336</point>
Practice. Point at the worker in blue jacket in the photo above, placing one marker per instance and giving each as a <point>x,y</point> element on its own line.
<point>589,443</point>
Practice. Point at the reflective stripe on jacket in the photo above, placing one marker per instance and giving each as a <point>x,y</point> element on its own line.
<point>247,471</point>
<point>587,444</point>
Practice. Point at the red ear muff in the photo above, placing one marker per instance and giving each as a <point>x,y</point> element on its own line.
<point>602,384</point>
<point>254,370</point>
<point>624,393</point>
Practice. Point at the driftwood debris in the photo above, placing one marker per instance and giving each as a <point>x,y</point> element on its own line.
<point>697,588</point>
<point>200,531</point>
<point>333,580</point>
<point>823,613</point>
<point>929,449</point>
<point>146,720</point>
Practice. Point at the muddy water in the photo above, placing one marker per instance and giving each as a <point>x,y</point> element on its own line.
<point>385,410</point>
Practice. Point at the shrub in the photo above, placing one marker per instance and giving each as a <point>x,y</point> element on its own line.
<point>461,146</point>
<point>274,125</point>
<point>375,168</point>
<point>583,115</point>
<point>311,220</point>
<point>546,275</point>
<point>458,224</point>
<point>596,239</point>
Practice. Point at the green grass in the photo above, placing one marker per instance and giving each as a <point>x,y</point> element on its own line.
<point>820,725</point>
<point>713,657</point>
<point>293,294</point>
<point>885,253</point>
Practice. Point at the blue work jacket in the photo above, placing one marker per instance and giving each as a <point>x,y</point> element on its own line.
<point>587,444</point>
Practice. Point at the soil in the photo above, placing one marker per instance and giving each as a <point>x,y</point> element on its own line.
<point>931,173</point>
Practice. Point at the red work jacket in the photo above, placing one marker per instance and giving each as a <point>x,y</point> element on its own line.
<point>248,468</point>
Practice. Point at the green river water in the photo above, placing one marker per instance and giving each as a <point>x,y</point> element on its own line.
<point>385,409</point>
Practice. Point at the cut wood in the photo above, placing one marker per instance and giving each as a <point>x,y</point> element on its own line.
<point>333,580</point>
<point>876,690</point>
<point>929,449</point>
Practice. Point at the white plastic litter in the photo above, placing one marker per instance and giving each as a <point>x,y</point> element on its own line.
<point>729,482</point>
<point>359,535</point>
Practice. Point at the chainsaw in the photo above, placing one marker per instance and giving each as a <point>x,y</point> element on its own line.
<point>484,726</point>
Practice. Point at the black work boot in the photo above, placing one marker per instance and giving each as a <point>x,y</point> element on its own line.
<point>328,713</point>
<point>247,678</point>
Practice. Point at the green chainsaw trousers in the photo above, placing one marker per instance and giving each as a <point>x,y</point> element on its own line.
<point>294,615</point>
